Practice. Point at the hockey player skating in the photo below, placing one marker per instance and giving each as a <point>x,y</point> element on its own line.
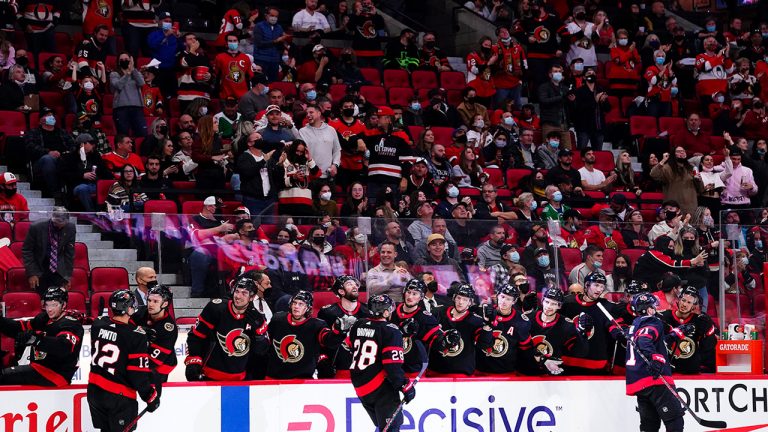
<point>120,367</point>
<point>377,365</point>
<point>161,331</point>
<point>224,336</point>
<point>511,334</point>
<point>55,337</point>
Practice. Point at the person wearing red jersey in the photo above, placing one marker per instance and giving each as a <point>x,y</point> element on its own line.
<point>13,205</point>
<point>232,22</point>
<point>662,86</point>
<point>712,69</point>
<point>624,70</point>
<point>509,70</point>
<point>479,70</point>
<point>98,13</point>
<point>195,76</point>
<point>233,70</point>
<point>349,130</point>
<point>151,96</point>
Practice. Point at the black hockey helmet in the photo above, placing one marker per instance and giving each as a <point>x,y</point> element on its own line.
<point>415,285</point>
<point>636,287</point>
<point>465,290</point>
<point>161,290</point>
<point>306,297</point>
<point>245,283</point>
<point>691,291</point>
<point>121,300</point>
<point>340,281</point>
<point>380,303</point>
<point>509,289</point>
<point>56,294</point>
<point>595,277</point>
<point>641,302</point>
<point>555,294</point>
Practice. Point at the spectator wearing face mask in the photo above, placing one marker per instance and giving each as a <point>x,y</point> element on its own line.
<point>512,64</point>
<point>86,125</point>
<point>712,66</point>
<point>662,86</point>
<point>552,99</point>
<point>164,44</point>
<point>470,108</point>
<point>439,113</point>
<point>480,64</point>
<point>44,146</point>
<point>625,66</point>
<point>677,177</point>
<point>547,153</point>
<point>589,108</point>
<point>652,265</point>
<point>128,109</point>
<point>268,39</point>
<point>582,35</point>
<point>232,69</point>
<point>13,205</point>
<point>554,209</point>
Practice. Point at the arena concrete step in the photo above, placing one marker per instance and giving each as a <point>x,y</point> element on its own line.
<point>98,245</point>
<point>180,292</point>
<point>165,279</point>
<point>86,237</point>
<point>40,202</point>
<point>28,194</point>
<point>84,228</point>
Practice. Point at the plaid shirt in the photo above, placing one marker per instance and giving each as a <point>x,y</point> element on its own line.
<point>102,144</point>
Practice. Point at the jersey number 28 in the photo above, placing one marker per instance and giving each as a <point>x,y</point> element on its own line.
<point>365,354</point>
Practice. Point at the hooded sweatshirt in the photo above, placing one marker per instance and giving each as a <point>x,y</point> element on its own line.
<point>324,146</point>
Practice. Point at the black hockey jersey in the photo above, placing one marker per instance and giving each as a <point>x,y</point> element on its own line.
<point>329,313</point>
<point>388,152</point>
<point>599,340</point>
<point>695,354</point>
<point>557,339</point>
<point>55,356</point>
<point>120,363</point>
<point>377,360</point>
<point>460,359</point>
<point>510,334</point>
<point>223,339</point>
<point>648,333</point>
<point>162,352</point>
<point>429,332</point>
<point>296,345</point>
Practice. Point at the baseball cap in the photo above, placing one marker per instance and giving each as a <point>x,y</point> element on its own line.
<point>242,210</point>
<point>564,152</point>
<point>505,248</point>
<point>619,199</point>
<point>163,15</point>
<point>211,200</point>
<point>230,101</point>
<point>540,251</point>
<point>607,212</point>
<point>385,111</point>
<point>84,138</point>
<point>420,160</point>
<point>8,178</point>
<point>318,47</point>
<point>434,237</point>
<point>272,108</point>
<point>459,204</point>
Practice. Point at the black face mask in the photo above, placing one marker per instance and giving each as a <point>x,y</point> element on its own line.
<point>251,234</point>
<point>10,192</point>
<point>86,124</point>
<point>163,130</point>
<point>22,61</point>
<point>471,100</point>
<point>679,38</point>
<point>258,144</point>
<point>151,284</point>
<point>432,286</point>
<point>688,244</point>
<point>318,240</point>
<point>621,271</point>
<point>461,139</point>
<point>581,16</point>
<point>327,113</point>
<point>301,159</point>
<point>429,45</point>
<point>267,292</point>
<point>682,160</point>
<point>348,112</point>
<point>124,64</point>
<point>524,288</point>
<point>669,215</point>
<point>540,183</point>
<point>486,51</point>
<point>591,78</point>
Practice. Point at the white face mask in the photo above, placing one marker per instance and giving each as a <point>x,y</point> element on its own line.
<point>480,124</point>
<point>326,196</point>
<point>88,85</point>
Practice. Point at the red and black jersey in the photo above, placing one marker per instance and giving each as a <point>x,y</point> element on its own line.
<point>378,356</point>
<point>96,13</point>
<point>557,339</point>
<point>89,103</point>
<point>296,346</point>
<point>388,152</point>
<point>162,352</point>
<point>139,13</point>
<point>461,358</point>
<point>55,356</point>
<point>510,334</point>
<point>599,340</point>
<point>120,363</point>
<point>648,334</point>
<point>90,52</point>
<point>39,15</point>
<point>429,332</point>
<point>544,31</point>
<point>222,340</point>
<point>151,99</point>
<point>193,67</point>
<point>329,313</point>
<point>351,159</point>
<point>693,354</point>
<point>234,74</point>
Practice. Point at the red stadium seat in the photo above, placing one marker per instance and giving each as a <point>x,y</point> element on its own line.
<point>79,281</point>
<point>604,160</point>
<point>81,256</point>
<point>287,88</point>
<point>672,125</point>
<point>100,302</point>
<point>495,176</point>
<point>707,125</point>
<point>396,78</point>
<point>629,195</point>
<point>614,115</point>
<point>161,206</point>
<point>106,103</point>
<point>400,96</point>
<point>453,80</point>
<point>20,230</point>
<point>596,195</point>
<point>423,79</point>
<point>371,75</point>
<point>649,215</point>
<point>6,231</point>
<point>21,304</point>
<point>16,280</point>
<point>760,304</point>
<point>717,143</point>
<point>571,258</point>
<point>515,175</point>
<point>634,255</point>
<point>109,279</point>
<point>13,123</point>
<point>16,248</point>
<point>337,91</point>
<point>644,126</point>
<point>455,98</point>
<point>102,190</point>
<point>651,200</point>
<point>609,257</point>
<point>76,302</point>
<point>64,44</point>
<point>415,131</point>
<point>191,207</point>
<point>443,135</point>
<point>108,125</point>
<point>51,99</point>
<point>374,94</point>
<point>322,298</point>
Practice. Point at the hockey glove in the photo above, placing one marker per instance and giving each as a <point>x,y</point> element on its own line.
<point>656,366</point>
<point>489,314</point>
<point>27,338</point>
<point>680,332</point>
<point>409,392</point>
<point>152,400</point>
<point>344,323</point>
<point>253,316</point>
<point>451,338</point>
<point>194,370</point>
<point>151,334</point>
<point>584,324</point>
<point>409,327</point>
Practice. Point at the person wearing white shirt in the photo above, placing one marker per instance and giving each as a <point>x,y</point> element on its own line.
<point>323,143</point>
<point>309,19</point>
<point>591,178</point>
<point>387,278</point>
<point>263,291</point>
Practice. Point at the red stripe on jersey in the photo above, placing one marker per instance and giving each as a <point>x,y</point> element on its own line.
<point>159,348</point>
<point>645,383</point>
<point>207,324</point>
<point>388,361</point>
<point>70,339</point>
<point>391,348</point>
<point>217,375</point>
<point>162,367</point>
<point>428,335</point>
<point>112,387</point>
<point>26,325</point>
<point>198,334</point>
<point>584,363</point>
<point>50,375</point>
<point>137,369</point>
<point>135,356</point>
<point>371,385</point>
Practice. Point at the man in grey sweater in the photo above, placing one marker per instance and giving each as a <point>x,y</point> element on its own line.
<point>128,109</point>
<point>323,142</point>
<point>489,253</point>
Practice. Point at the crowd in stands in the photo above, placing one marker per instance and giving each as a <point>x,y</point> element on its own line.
<point>459,176</point>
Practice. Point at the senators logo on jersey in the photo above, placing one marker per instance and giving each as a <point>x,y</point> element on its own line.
<point>235,72</point>
<point>500,344</point>
<point>148,100</point>
<point>683,349</point>
<point>542,346</point>
<point>104,9</point>
<point>289,349</point>
<point>541,34</point>
<point>454,350</point>
<point>407,344</point>
<point>236,343</point>
<point>368,30</point>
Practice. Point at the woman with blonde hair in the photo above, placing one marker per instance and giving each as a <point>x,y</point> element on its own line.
<point>625,175</point>
<point>211,159</point>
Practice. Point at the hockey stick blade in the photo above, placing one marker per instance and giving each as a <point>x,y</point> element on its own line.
<point>400,407</point>
<point>714,424</point>
<point>135,421</point>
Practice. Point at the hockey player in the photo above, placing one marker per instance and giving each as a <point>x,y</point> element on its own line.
<point>120,367</point>
<point>224,335</point>
<point>421,332</point>
<point>654,401</point>
<point>336,362</point>
<point>55,338</point>
<point>693,351</point>
<point>297,339</point>
<point>475,332</point>
<point>623,313</point>
<point>554,337</point>
<point>161,331</point>
<point>511,332</point>
<point>582,309</point>
<point>377,364</point>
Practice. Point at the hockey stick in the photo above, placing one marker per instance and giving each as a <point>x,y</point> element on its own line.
<point>134,421</point>
<point>713,424</point>
<point>400,407</point>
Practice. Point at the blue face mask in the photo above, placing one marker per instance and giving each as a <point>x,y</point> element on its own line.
<point>514,256</point>
<point>543,260</point>
<point>534,205</point>
<point>660,60</point>
<point>415,106</point>
<point>453,192</point>
<point>50,120</point>
<point>557,77</point>
<point>557,196</point>
<point>711,28</point>
<point>311,95</point>
<point>166,26</point>
<point>509,121</point>
<point>623,42</point>
<point>597,264</point>
<point>265,91</point>
<point>554,143</point>
<point>578,67</point>
<point>232,46</point>
<point>674,91</point>
<point>759,244</point>
<point>761,151</point>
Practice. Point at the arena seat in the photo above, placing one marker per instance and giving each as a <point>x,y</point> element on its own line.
<point>108,125</point>
<point>288,88</point>
<point>651,200</point>
<point>415,131</point>
<point>21,304</point>
<point>609,257</point>
<point>191,207</point>
<point>371,75</point>
<point>495,177</point>
<point>396,78</point>
<point>16,248</point>
<point>102,190</point>
<point>76,302</point>
<point>571,258</point>
<point>615,115</point>
<point>5,230</point>
<point>13,123</point>
<point>16,280</point>
<point>672,125</point>
<point>322,298</point>
<point>452,80</point>
<point>707,125</point>
<point>106,104</point>
<point>64,44</point>
<point>643,126</point>
<point>515,175</point>
<point>443,135</point>
<point>99,302</point>
<point>400,96</point>
<point>81,256</point>
<point>374,94</point>
<point>338,91</point>
<point>424,79</point>
<point>79,281</point>
<point>105,279</point>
